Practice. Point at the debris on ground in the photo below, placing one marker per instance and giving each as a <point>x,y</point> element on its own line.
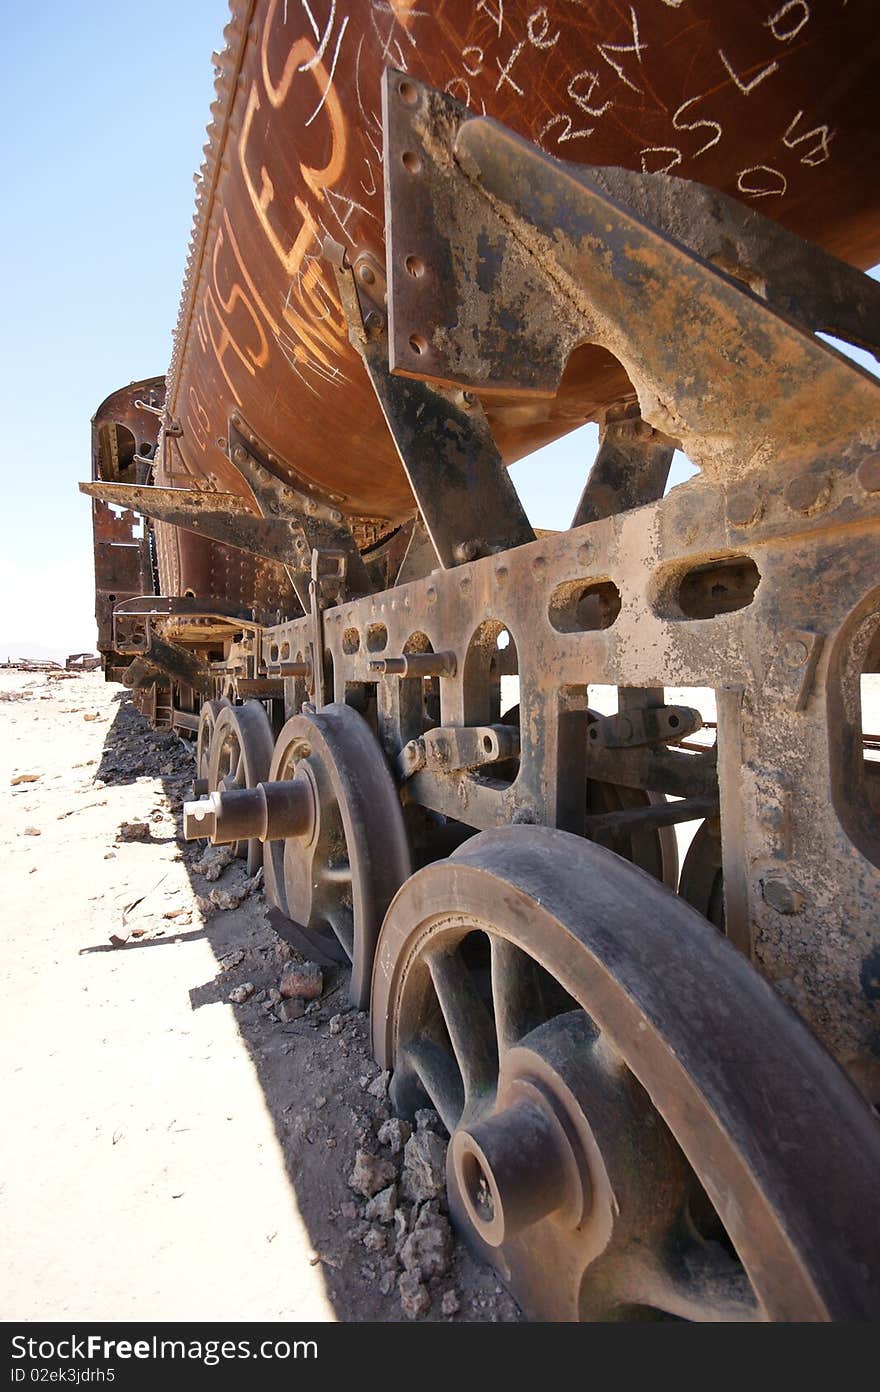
<point>414,1297</point>
<point>424,1166</point>
<point>302,981</point>
<point>375,1211</point>
<point>134,831</point>
<point>239,994</point>
<point>214,861</point>
<point>394,1133</point>
<point>371,1174</point>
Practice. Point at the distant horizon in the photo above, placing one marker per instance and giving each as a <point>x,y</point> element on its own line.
<point>16,651</point>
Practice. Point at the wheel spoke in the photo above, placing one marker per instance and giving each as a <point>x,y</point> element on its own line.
<point>435,1070</point>
<point>471,1029</point>
<point>516,993</point>
<point>699,1282</point>
<point>341,920</point>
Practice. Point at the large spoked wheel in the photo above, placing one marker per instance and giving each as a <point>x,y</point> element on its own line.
<point>240,756</point>
<point>335,881</point>
<point>640,1128</point>
<point>207,720</point>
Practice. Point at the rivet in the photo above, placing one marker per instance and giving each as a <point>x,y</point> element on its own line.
<point>869,473</point>
<point>501,573</point>
<point>539,564</point>
<point>745,506</point>
<point>808,493</point>
<point>431,595</point>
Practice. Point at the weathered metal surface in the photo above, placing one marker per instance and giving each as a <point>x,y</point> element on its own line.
<point>724,583</point>
<point>171,661</point>
<point>586,1218</point>
<point>239,751</point>
<point>770,103</point>
<point>125,431</point>
<point>537,293</point>
<point>334,881</point>
<point>565,263</point>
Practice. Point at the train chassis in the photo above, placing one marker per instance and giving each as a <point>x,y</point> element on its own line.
<point>643,1070</point>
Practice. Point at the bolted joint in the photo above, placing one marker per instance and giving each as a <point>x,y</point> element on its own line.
<point>268,812</point>
<point>441,664</point>
<point>200,787</point>
<point>451,748</point>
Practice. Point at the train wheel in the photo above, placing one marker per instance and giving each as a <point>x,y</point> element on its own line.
<point>702,875</point>
<point>207,720</point>
<point>336,883</point>
<point>640,1128</point>
<point>240,755</point>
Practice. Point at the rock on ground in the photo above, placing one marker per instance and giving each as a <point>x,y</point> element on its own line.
<point>302,981</point>
<point>371,1173</point>
<point>424,1166</point>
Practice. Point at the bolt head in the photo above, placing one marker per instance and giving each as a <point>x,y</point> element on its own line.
<point>784,895</point>
<point>795,653</point>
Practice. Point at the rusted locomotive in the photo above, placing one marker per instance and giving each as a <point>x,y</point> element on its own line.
<point>429,239</point>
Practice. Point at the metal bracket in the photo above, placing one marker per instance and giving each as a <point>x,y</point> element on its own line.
<point>320,524</point>
<point>185,606</point>
<point>630,468</point>
<point>459,481</point>
<point>173,661</point>
<point>224,517</point>
<point>647,725</point>
<point>560,261</point>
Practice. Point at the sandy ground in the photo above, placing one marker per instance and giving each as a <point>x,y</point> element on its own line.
<point>164,1154</point>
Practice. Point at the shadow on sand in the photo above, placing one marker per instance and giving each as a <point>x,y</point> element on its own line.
<point>314,1075</point>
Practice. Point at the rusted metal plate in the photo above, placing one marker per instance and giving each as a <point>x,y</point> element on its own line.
<point>125,430</point>
<point>770,102</point>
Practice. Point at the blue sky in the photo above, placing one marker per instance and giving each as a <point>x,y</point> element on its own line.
<point>104,106</point>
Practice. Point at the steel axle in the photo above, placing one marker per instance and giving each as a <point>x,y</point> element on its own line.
<point>268,812</point>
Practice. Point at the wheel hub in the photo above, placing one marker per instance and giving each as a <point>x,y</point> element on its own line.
<point>588,1061</point>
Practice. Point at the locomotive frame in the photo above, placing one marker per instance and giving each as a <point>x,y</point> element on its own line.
<point>635,1066</point>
